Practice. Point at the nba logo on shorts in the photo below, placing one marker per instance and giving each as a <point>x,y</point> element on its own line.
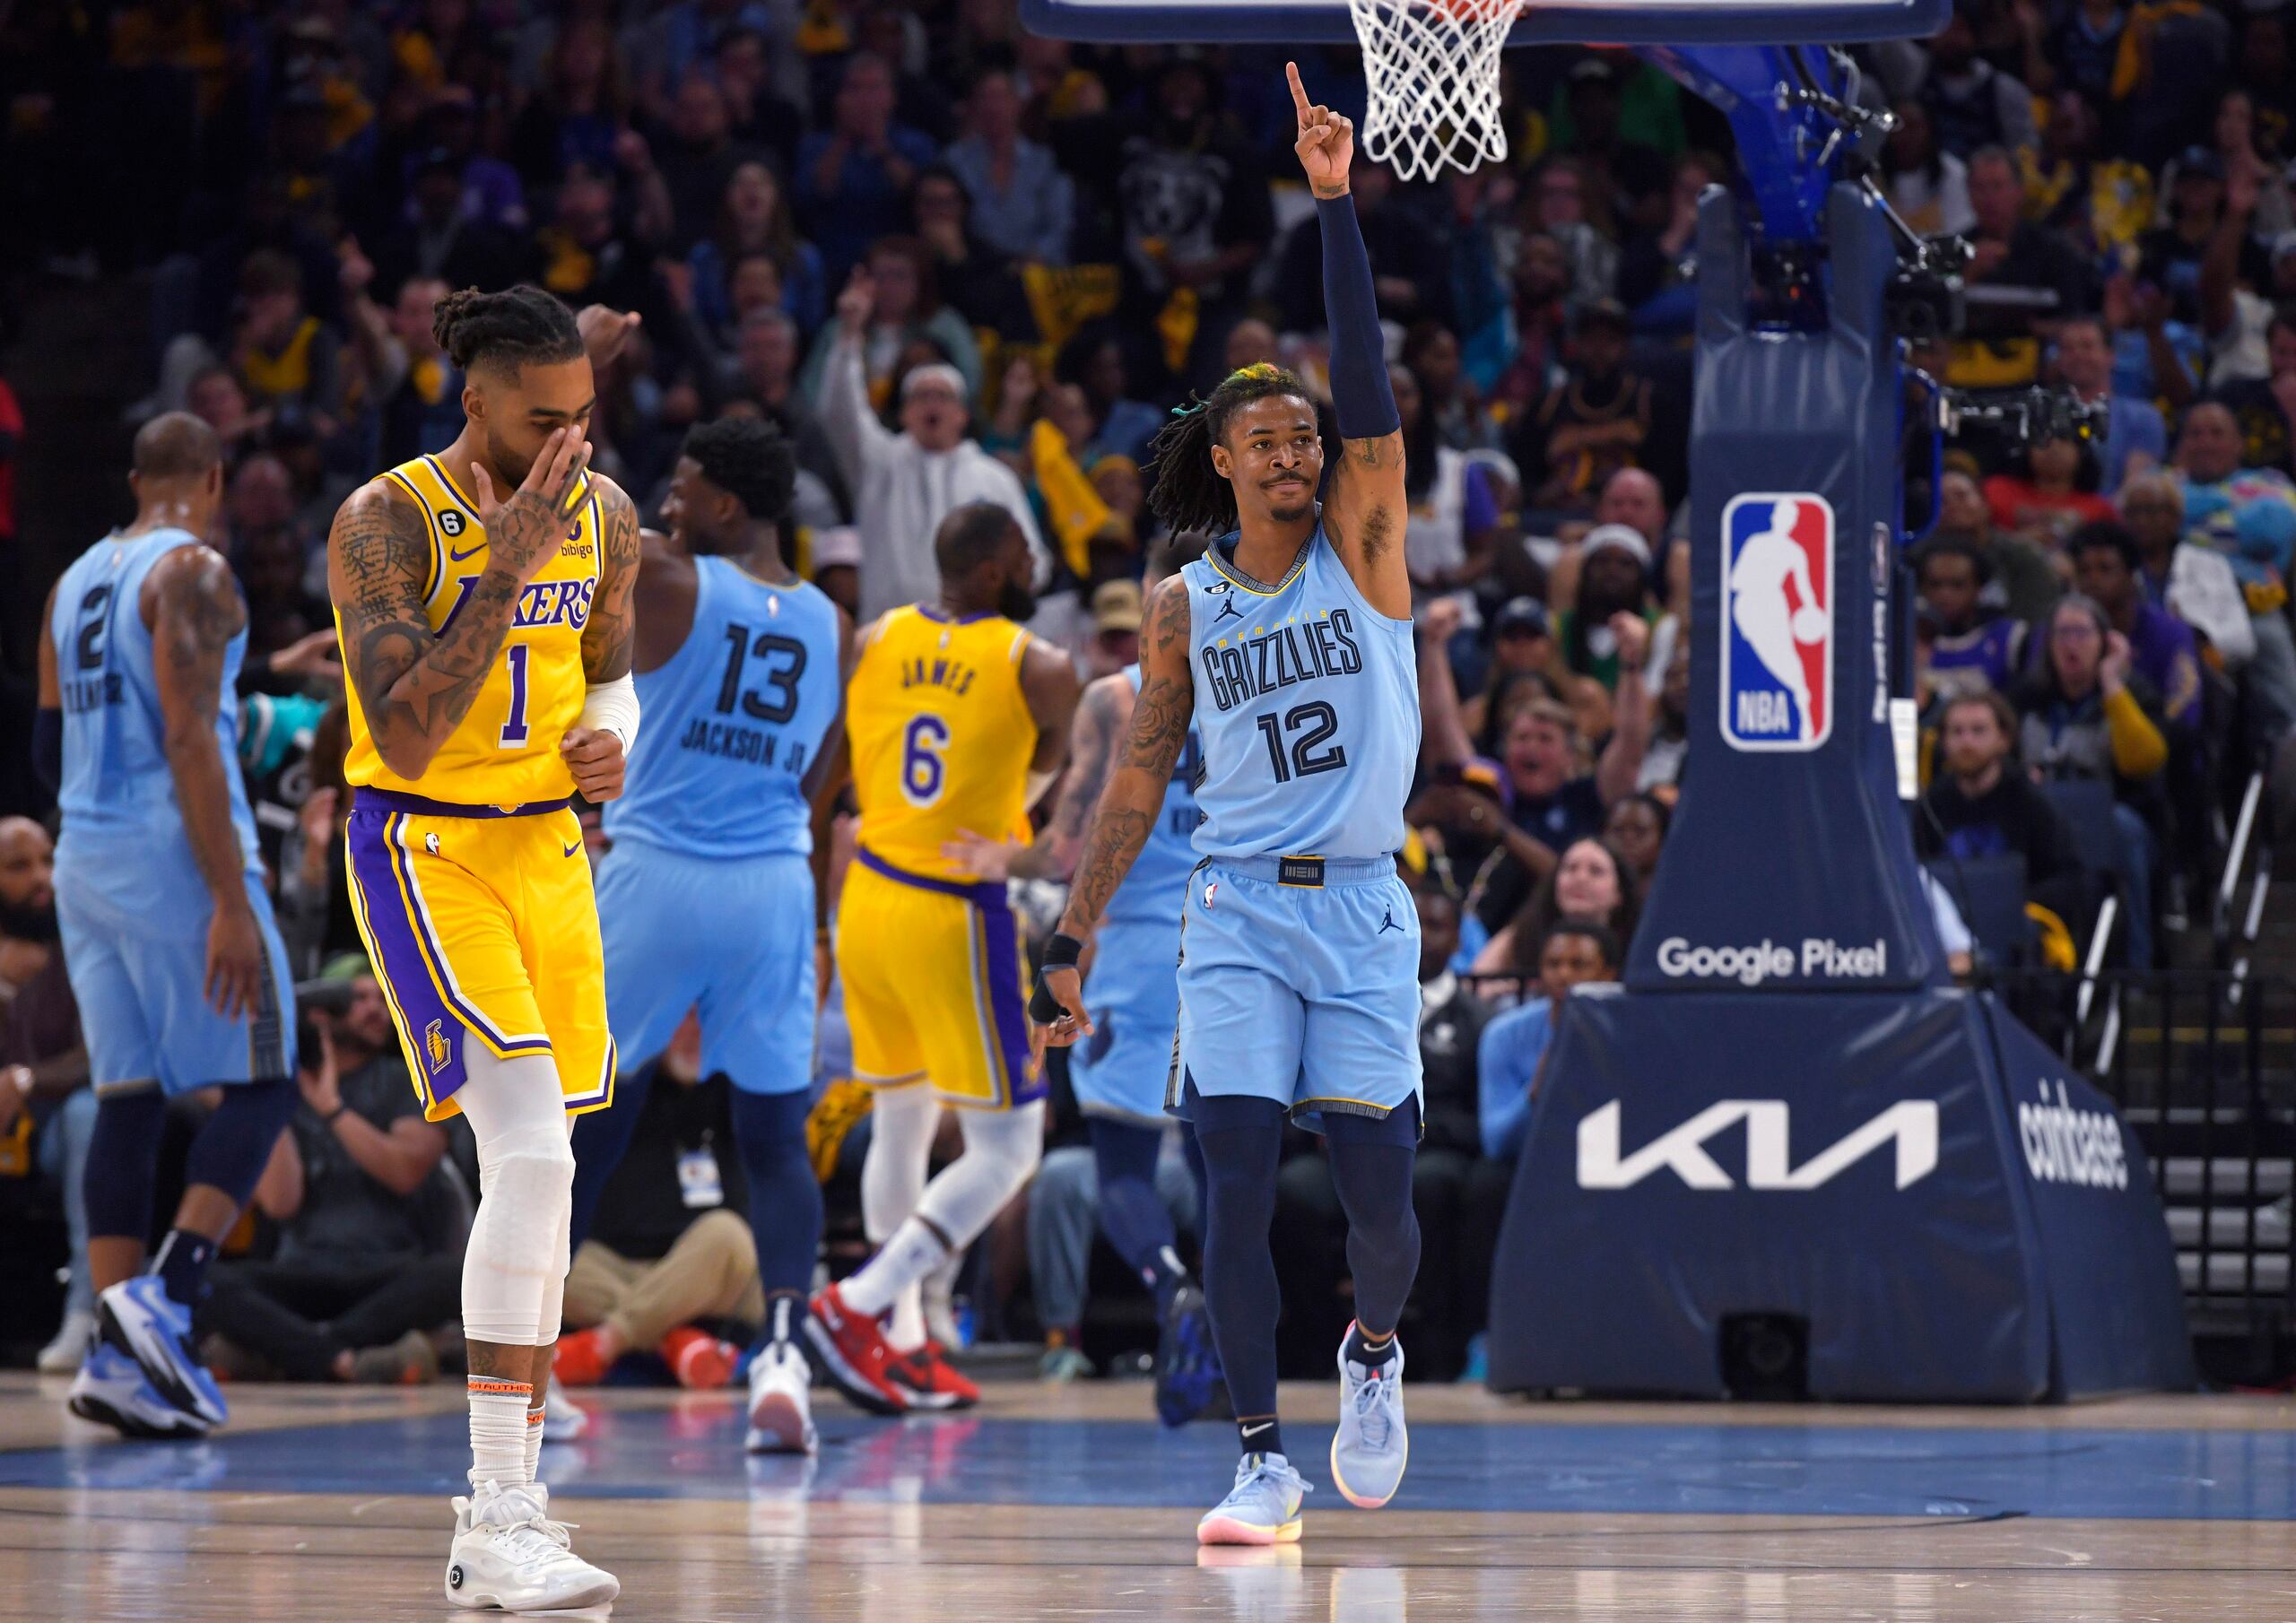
<point>1777,622</point>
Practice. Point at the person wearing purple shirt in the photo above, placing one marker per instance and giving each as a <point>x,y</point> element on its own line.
<point>853,177</point>
<point>2106,565</point>
<point>1972,648</point>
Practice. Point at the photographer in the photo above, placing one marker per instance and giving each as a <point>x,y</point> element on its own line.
<point>368,1257</point>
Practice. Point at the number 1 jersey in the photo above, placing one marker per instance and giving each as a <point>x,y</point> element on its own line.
<point>941,735</point>
<point>1307,702</point>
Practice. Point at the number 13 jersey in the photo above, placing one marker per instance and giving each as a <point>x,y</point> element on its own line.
<point>1307,702</point>
<point>941,735</point>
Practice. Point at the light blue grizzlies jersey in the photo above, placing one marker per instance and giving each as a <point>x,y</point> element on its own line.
<point>115,779</point>
<point>1156,883</point>
<point>1307,702</point>
<point>733,721</point>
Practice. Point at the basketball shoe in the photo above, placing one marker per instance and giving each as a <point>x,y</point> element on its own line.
<point>112,1390</point>
<point>1369,1449</point>
<point>140,1318</point>
<point>853,1353</point>
<point>1187,1363</point>
<point>1262,1508</point>
<point>509,1555</point>
<point>929,1380</point>
<point>781,1417</point>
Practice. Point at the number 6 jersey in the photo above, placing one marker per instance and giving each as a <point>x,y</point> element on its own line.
<point>1307,702</point>
<point>941,735</point>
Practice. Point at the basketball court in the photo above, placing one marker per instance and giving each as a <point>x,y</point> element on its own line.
<point>1069,1502</point>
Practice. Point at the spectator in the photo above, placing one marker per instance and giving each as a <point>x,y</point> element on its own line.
<point>370,1254</point>
<point>669,1248</point>
<point>1592,424</point>
<point>1311,1229</point>
<point>1971,647</point>
<point>2172,252</point>
<point>980,283</point>
<point>1063,1202</point>
<point>2023,276</point>
<point>2236,145</point>
<point>1407,259</point>
<point>1120,424</point>
<point>2195,583</point>
<point>837,568</point>
<point>1972,103</point>
<point>2264,408</point>
<point>699,157</point>
<point>1662,762</point>
<point>753,218</point>
<point>1614,583</point>
<point>2135,438</point>
<point>1981,806</point>
<point>906,483</point>
<point>765,370</point>
<point>1511,1059</point>
<point>290,364</point>
<point>2053,492</point>
<point>2086,716</point>
<point>1116,628</point>
<point>904,306</point>
<point>761,117</point>
<point>852,176</point>
<point>2238,275</point>
<point>1928,185</point>
<point>415,389</point>
<point>1431,351</point>
<point>594,251</point>
<point>1560,206</point>
<point>1636,830</point>
<point>437,239</point>
<point>2249,518</point>
<point>1451,535</point>
<point>1522,642</point>
<point>1023,204</point>
<point>2102,203</point>
<point>2109,568</point>
<point>1591,881</point>
<point>1537,333</point>
<point>2022,577</point>
<point>580,110</point>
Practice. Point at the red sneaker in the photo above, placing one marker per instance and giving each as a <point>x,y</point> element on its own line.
<point>701,1362</point>
<point>929,1380</point>
<point>580,1361</point>
<point>851,1350</point>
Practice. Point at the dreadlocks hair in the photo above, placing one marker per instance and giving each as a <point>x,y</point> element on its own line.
<point>506,330</point>
<point>749,458</point>
<point>1189,492</point>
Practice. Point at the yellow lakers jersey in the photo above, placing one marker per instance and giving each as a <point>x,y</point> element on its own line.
<point>941,735</point>
<point>505,752</point>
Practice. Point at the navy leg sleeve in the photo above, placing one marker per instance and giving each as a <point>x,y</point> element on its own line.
<point>784,1198</point>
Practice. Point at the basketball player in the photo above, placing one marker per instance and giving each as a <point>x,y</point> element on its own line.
<point>708,895</point>
<point>1775,631</point>
<point>1118,1077</point>
<point>482,597</point>
<point>958,719</point>
<point>168,936</point>
<point>1289,644</point>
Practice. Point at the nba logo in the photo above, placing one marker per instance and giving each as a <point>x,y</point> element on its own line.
<point>437,1048</point>
<point>1777,622</point>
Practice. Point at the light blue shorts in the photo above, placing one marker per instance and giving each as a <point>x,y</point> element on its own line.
<point>135,937</point>
<point>1134,997</point>
<point>1301,993</point>
<point>734,938</point>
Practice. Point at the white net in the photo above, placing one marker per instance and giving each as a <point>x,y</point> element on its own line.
<point>1433,67</point>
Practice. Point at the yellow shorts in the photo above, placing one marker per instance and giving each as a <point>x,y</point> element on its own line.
<point>481,927</point>
<point>936,986</point>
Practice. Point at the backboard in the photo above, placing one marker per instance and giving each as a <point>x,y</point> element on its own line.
<point>1544,22</point>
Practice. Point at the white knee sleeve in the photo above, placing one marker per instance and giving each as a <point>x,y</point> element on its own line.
<point>902,1122</point>
<point>514,1272</point>
<point>1002,1147</point>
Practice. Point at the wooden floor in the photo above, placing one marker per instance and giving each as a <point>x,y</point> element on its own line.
<point>1065,1503</point>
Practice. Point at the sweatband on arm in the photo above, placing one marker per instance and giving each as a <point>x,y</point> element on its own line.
<point>1361,397</point>
<point>612,707</point>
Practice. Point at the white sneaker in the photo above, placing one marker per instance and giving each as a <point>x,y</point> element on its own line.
<point>781,1418</point>
<point>563,1420</point>
<point>509,1555</point>
<point>62,1355</point>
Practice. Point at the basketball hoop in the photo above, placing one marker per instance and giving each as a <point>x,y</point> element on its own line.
<point>1432,69</point>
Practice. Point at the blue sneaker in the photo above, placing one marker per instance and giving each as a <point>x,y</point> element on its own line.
<point>1187,1363</point>
<point>1262,1508</point>
<point>140,1318</point>
<point>1369,1449</point>
<point>111,1390</point>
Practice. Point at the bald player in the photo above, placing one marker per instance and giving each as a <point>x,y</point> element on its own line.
<point>168,936</point>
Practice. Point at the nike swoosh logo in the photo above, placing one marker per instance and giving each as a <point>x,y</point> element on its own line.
<point>576,846</point>
<point>454,556</point>
<point>1253,1431</point>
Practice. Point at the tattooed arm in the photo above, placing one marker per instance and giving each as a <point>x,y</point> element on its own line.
<point>195,610</point>
<point>415,685</point>
<point>1102,717</point>
<point>1135,796</point>
<point>596,749</point>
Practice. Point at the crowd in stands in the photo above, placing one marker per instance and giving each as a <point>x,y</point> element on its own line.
<point>956,262</point>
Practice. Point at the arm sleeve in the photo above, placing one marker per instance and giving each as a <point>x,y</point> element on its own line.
<point>2138,749</point>
<point>1361,398</point>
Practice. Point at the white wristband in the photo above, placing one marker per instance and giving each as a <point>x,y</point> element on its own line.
<point>612,707</point>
